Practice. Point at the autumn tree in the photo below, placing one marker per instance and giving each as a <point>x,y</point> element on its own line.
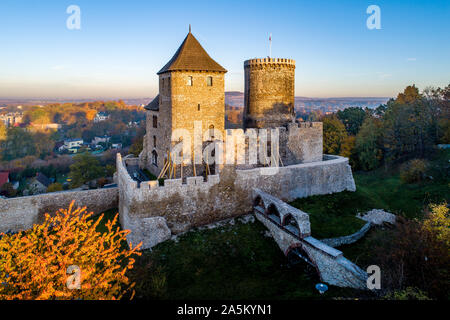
<point>348,150</point>
<point>334,134</point>
<point>65,257</point>
<point>55,187</point>
<point>86,167</point>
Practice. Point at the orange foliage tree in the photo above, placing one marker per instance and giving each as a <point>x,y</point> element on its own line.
<point>66,258</point>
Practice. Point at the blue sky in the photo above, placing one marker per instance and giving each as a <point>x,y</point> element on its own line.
<point>122,44</point>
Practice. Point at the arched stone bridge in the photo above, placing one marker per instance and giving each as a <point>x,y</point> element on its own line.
<point>291,230</point>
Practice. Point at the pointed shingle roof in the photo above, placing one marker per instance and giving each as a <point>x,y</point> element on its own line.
<point>153,105</point>
<point>192,57</point>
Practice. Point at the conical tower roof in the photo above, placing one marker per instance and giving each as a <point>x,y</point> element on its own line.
<point>191,56</point>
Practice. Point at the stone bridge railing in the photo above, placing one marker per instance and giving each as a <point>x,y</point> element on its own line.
<point>291,230</point>
<point>292,219</point>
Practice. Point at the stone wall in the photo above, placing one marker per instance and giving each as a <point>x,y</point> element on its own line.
<point>269,92</point>
<point>22,212</point>
<point>197,202</point>
<point>301,143</point>
<point>339,241</point>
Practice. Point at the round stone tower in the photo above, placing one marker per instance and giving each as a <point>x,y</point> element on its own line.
<point>269,92</point>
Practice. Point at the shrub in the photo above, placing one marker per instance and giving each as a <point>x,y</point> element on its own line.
<point>37,264</point>
<point>416,254</point>
<point>413,171</point>
<point>7,190</point>
<point>55,187</point>
<point>409,293</point>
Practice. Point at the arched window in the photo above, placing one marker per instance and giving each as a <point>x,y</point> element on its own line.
<point>209,81</point>
<point>291,224</point>
<point>154,158</point>
<point>211,131</point>
<point>190,81</point>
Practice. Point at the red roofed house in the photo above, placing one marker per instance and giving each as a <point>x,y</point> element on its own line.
<point>4,178</point>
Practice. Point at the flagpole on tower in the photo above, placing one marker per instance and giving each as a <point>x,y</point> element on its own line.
<point>270,45</point>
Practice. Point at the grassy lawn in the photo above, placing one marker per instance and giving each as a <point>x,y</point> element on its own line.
<point>334,215</point>
<point>230,262</point>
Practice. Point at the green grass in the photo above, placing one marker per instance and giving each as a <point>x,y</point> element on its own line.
<point>231,262</point>
<point>334,215</point>
<point>107,216</point>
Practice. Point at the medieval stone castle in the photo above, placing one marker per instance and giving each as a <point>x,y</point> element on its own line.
<point>192,99</point>
<point>200,189</point>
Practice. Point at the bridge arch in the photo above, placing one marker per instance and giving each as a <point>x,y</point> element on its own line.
<point>296,253</point>
<point>273,213</point>
<point>259,202</point>
<point>290,223</point>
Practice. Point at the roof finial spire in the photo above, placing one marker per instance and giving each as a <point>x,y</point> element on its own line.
<point>189,28</point>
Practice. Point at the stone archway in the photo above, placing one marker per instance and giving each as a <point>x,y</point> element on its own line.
<point>297,256</point>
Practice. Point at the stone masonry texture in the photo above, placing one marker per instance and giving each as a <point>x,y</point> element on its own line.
<point>21,213</point>
<point>269,92</point>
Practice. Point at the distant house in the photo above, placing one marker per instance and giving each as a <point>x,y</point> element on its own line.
<point>73,143</point>
<point>97,140</point>
<point>101,116</point>
<point>59,146</point>
<point>4,178</point>
<point>54,126</point>
<point>39,184</point>
<point>11,119</point>
<point>74,149</point>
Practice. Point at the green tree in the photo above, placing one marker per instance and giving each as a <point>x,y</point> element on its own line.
<point>334,134</point>
<point>367,144</point>
<point>43,143</point>
<point>409,129</point>
<point>85,168</point>
<point>18,144</point>
<point>137,146</point>
<point>7,190</point>
<point>352,118</point>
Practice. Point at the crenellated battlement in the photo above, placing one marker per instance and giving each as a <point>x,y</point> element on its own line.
<point>291,126</point>
<point>179,183</point>
<point>152,188</point>
<point>269,61</point>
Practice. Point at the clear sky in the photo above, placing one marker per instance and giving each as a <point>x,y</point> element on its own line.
<point>122,44</point>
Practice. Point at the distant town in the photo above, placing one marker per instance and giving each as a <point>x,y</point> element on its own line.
<point>10,109</point>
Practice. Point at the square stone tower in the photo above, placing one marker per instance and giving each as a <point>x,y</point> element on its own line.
<point>191,88</point>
